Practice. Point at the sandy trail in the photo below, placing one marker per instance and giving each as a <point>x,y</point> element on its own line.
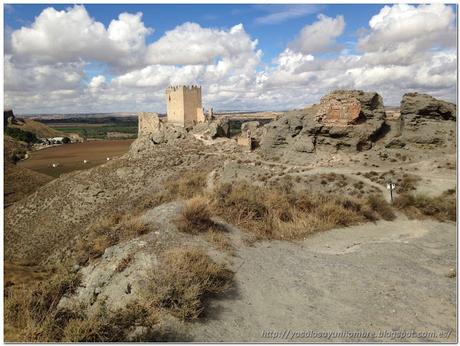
<point>383,277</point>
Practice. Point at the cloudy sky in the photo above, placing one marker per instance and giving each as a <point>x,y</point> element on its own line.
<point>109,58</point>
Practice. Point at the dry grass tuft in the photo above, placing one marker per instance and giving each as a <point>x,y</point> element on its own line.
<point>185,277</point>
<point>113,326</point>
<point>220,240</point>
<point>33,315</point>
<point>442,208</point>
<point>107,232</point>
<point>195,217</point>
<point>378,204</point>
<point>272,213</point>
<point>151,201</point>
<point>187,186</point>
<point>32,311</point>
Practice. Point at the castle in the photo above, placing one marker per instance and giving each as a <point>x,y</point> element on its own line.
<point>184,107</point>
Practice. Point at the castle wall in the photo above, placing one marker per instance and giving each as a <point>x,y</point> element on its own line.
<point>175,105</point>
<point>183,104</point>
<point>192,101</point>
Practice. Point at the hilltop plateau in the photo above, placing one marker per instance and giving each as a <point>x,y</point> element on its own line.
<point>197,235</point>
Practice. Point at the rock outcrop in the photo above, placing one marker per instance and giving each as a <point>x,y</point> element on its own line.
<point>346,107</point>
<point>416,106</point>
<point>214,128</point>
<point>427,120</point>
<point>350,120</point>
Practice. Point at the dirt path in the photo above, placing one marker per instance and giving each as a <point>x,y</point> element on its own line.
<point>384,277</point>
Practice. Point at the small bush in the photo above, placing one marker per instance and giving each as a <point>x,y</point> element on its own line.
<point>34,315</point>
<point>273,213</point>
<point>107,232</point>
<point>112,326</point>
<point>407,183</point>
<point>378,204</point>
<point>152,200</point>
<point>33,312</point>
<point>185,277</point>
<point>187,186</point>
<point>442,208</point>
<point>220,240</point>
<point>195,217</point>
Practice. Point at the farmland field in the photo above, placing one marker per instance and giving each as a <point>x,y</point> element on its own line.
<point>95,128</point>
<point>70,156</point>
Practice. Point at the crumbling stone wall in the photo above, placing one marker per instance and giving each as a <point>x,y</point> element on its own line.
<point>149,123</point>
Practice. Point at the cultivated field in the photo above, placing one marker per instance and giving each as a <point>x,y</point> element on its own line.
<point>70,156</point>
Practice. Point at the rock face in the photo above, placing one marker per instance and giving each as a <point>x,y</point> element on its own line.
<point>213,128</point>
<point>415,105</point>
<point>350,120</point>
<point>427,121</point>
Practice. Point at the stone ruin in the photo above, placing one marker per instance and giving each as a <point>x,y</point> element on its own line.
<point>344,120</point>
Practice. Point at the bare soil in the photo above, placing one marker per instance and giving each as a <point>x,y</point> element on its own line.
<point>70,156</point>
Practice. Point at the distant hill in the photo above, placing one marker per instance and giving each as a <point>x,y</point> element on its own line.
<point>37,128</point>
<point>20,182</point>
<point>26,127</point>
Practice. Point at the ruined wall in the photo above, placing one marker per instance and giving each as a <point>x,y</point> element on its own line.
<point>200,118</point>
<point>148,123</point>
<point>184,105</point>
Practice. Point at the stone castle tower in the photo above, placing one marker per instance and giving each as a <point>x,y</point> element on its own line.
<point>184,107</point>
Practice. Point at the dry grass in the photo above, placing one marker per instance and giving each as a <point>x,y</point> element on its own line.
<point>442,208</point>
<point>32,312</point>
<point>32,315</point>
<point>195,217</point>
<point>152,200</point>
<point>113,326</point>
<point>271,213</point>
<point>185,277</point>
<point>378,204</point>
<point>106,232</point>
<point>220,241</point>
<point>187,186</point>
<point>405,182</point>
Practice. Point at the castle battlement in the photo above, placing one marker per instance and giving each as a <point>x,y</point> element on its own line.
<point>175,88</point>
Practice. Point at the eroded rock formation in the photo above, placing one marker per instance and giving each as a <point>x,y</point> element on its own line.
<point>344,120</point>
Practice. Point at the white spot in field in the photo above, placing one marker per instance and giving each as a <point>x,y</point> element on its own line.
<point>85,161</point>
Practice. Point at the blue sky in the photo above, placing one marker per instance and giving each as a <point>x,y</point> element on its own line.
<point>277,29</point>
<point>272,37</point>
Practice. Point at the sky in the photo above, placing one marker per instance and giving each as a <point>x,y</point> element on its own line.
<point>121,58</point>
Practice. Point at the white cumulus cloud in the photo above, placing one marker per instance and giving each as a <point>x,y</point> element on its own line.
<point>319,36</point>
